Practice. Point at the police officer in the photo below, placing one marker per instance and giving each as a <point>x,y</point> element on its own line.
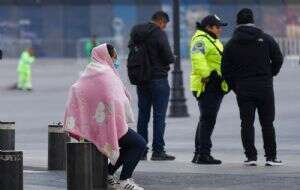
<point>251,59</point>
<point>206,83</point>
<point>24,69</point>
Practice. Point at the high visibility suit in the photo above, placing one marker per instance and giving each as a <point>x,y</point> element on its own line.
<point>24,71</point>
<point>208,88</point>
<point>205,58</point>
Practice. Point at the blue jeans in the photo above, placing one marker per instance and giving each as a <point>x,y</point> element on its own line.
<point>154,94</point>
<point>132,147</point>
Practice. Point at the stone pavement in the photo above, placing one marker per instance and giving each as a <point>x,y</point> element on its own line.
<point>33,111</point>
<point>186,176</point>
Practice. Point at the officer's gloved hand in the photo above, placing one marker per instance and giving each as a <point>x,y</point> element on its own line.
<point>195,95</point>
<point>214,77</point>
<point>205,80</point>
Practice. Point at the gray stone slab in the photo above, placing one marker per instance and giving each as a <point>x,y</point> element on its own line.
<point>181,181</point>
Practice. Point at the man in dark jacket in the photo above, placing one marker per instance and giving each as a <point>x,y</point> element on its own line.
<point>0,54</point>
<point>156,92</point>
<point>251,59</point>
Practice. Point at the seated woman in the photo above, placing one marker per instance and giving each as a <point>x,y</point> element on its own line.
<point>98,110</point>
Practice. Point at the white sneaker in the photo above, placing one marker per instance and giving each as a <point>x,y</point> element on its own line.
<point>274,162</point>
<point>129,184</point>
<point>112,182</point>
<point>250,162</point>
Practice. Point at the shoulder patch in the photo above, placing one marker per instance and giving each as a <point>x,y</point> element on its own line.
<point>199,47</point>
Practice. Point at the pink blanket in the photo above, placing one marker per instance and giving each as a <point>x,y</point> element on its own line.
<point>98,107</point>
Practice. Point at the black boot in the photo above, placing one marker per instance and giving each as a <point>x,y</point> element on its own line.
<point>205,159</point>
<point>162,156</point>
<point>196,158</point>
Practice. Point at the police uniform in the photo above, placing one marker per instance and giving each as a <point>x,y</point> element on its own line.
<point>207,85</point>
<point>24,71</point>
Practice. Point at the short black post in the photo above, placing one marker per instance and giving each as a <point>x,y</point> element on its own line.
<point>7,135</point>
<point>79,166</point>
<point>99,166</point>
<point>11,170</point>
<point>57,139</point>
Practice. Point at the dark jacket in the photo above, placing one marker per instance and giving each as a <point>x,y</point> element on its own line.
<point>251,56</point>
<point>158,46</point>
<point>0,54</point>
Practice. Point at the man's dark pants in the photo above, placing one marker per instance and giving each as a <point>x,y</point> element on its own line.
<point>209,104</point>
<point>154,94</point>
<point>250,99</point>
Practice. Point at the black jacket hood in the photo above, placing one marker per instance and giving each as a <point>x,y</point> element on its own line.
<point>247,34</point>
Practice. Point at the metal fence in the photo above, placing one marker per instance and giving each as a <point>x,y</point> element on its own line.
<point>289,46</point>
<point>60,28</point>
<point>14,47</point>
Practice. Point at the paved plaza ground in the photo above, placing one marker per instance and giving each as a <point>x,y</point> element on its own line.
<point>33,111</point>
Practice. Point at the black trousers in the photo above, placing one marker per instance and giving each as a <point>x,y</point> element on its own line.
<point>260,99</point>
<point>209,104</point>
<point>132,147</point>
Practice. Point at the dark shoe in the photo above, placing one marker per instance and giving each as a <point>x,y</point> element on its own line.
<point>273,162</point>
<point>250,162</point>
<point>161,156</point>
<point>196,158</point>
<point>205,159</point>
<point>144,157</point>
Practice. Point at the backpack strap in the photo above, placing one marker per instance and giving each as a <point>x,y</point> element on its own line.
<point>218,49</point>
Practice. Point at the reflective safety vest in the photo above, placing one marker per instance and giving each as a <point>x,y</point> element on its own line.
<point>25,62</point>
<point>206,54</point>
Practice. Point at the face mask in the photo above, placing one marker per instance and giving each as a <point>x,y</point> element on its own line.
<point>117,63</point>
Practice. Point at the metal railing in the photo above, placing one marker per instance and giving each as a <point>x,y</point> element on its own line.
<point>13,47</point>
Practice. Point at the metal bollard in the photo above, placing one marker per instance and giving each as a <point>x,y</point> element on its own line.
<point>11,167</point>
<point>7,135</point>
<point>57,139</point>
<point>99,166</point>
<point>79,166</point>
